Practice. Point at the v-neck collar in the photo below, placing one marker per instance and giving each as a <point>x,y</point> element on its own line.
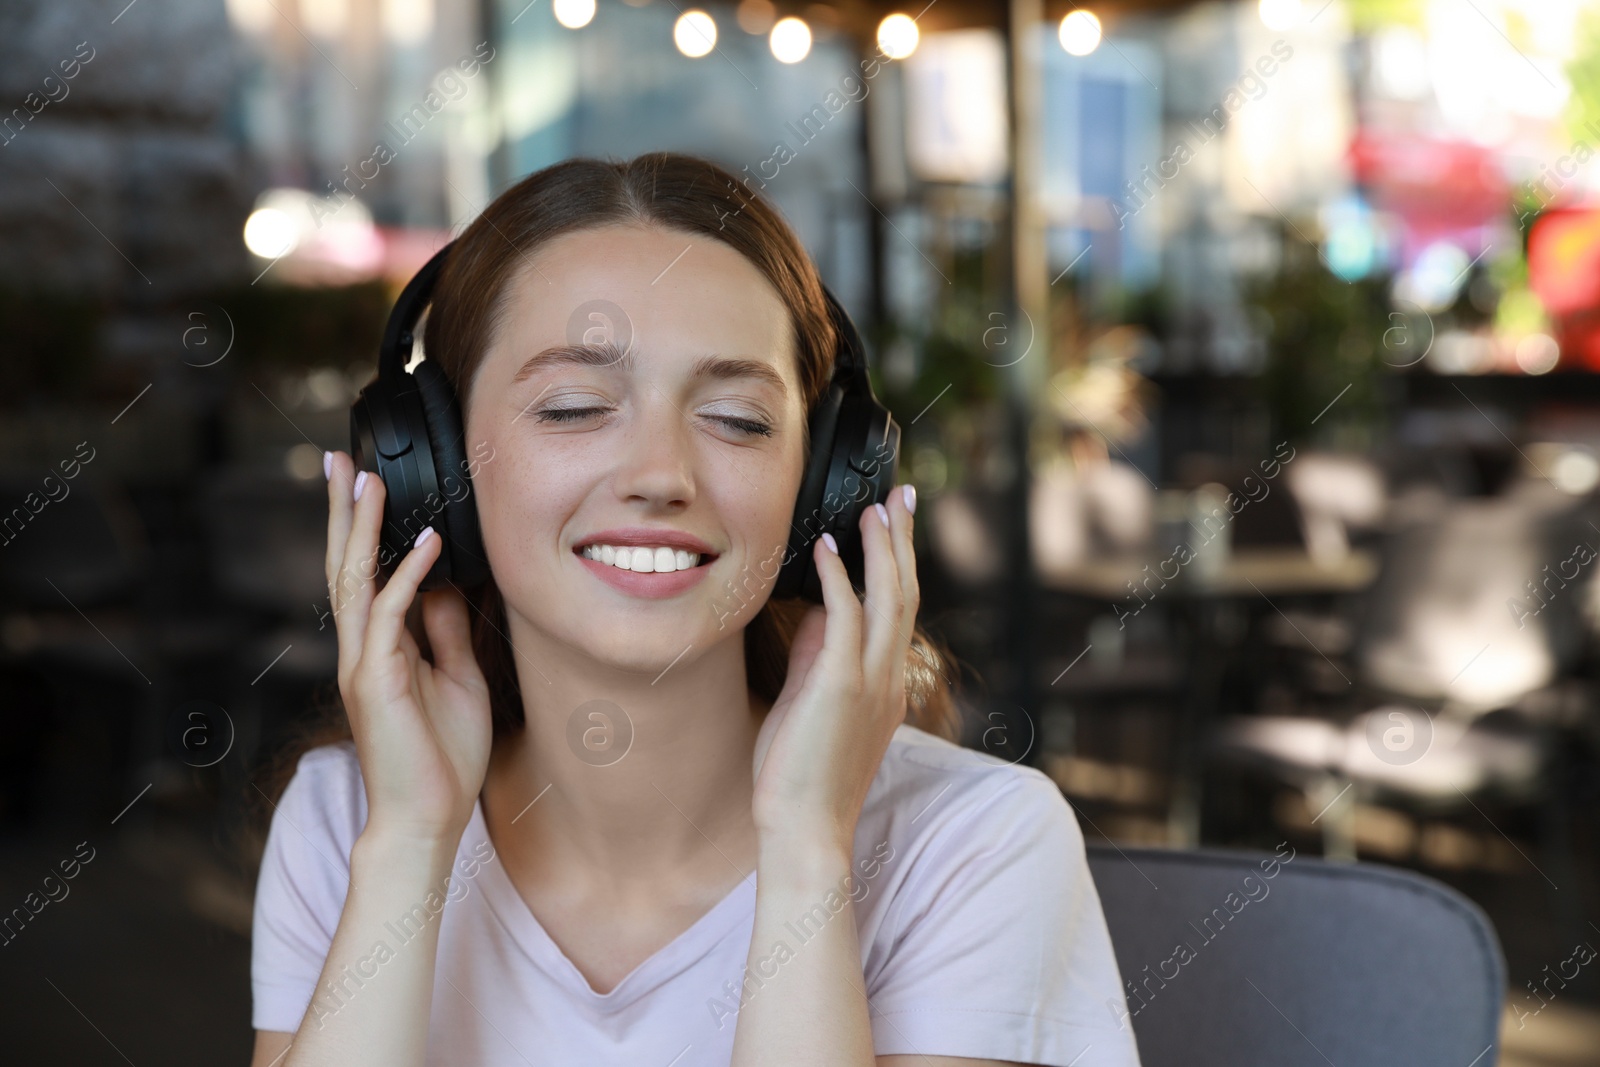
<point>672,959</point>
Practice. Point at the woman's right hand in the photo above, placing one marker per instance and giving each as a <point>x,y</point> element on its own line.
<point>422,731</point>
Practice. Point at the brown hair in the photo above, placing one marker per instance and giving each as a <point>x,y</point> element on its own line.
<point>668,190</point>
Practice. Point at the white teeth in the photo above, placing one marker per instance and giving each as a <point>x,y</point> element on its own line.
<point>641,559</point>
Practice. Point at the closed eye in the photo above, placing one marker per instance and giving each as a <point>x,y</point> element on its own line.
<point>747,426</point>
<point>566,414</point>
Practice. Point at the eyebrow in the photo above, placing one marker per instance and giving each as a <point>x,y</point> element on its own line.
<point>606,354</point>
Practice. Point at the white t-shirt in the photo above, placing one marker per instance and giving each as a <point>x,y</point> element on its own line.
<point>981,932</point>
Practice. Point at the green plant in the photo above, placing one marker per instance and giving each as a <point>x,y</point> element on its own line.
<point>1325,339</point>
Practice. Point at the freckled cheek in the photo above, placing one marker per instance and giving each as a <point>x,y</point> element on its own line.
<point>519,505</point>
<point>760,511</point>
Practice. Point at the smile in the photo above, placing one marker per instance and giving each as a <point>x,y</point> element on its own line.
<point>643,559</point>
<point>671,570</point>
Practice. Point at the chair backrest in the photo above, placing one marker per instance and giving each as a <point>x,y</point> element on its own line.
<point>1237,958</point>
<point>1453,615</point>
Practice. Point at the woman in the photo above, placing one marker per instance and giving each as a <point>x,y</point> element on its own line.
<point>477,871</point>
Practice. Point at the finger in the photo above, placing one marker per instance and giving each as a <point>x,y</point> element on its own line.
<point>883,607</point>
<point>444,616</point>
<point>841,637</point>
<point>359,569</point>
<point>902,523</point>
<point>340,511</point>
<point>387,619</point>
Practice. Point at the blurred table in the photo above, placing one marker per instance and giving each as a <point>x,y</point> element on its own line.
<point>1197,592</point>
<point>1263,571</point>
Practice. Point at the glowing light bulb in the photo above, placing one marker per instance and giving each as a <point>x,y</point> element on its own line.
<point>1080,32</point>
<point>695,33</point>
<point>790,40</point>
<point>574,14</point>
<point>270,233</point>
<point>898,36</point>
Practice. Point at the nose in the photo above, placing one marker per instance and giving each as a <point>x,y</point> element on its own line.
<point>656,459</point>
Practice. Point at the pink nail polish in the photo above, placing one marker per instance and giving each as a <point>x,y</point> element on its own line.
<point>883,513</point>
<point>361,479</point>
<point>833,545</point>
<point>909,491</point>
<point>427,532</point>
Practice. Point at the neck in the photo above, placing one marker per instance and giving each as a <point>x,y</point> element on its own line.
<point>638,776</point>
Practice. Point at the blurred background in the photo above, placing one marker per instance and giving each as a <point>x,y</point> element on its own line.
<point>1247,355</point>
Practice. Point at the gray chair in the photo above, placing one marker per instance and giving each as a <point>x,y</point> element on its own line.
<point>1292,960</point>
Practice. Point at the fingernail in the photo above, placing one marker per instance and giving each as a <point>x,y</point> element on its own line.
<point>361,479</point>
<point>833,545</point>
<point>909,491</point>
<point>327,466</point>
<point>427,532</point>
<point>883,513</point>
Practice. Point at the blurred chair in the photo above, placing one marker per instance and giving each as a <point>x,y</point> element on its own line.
<point>1296,961</point>
<point>1074,515</point>
<point>1339,496</point>
<point>1341,500</point>
<point>1270,518</point>
<point>964,532</point>
<point>1077,513</point>
<point>1091,511</point>
<point>1458,697</point>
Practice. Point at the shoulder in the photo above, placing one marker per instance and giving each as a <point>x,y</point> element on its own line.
<point>942,815</point>
<point>328,768</point>
<point>925,779</point>
<point>303,881</point>
<point>325,796</point>
<point>987,939</point>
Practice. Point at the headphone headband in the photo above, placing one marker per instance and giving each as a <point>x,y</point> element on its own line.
<point>398,334</point>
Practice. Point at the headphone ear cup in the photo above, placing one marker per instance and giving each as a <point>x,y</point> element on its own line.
<point>797,577</point>
<point>866,444</point>
<point>464,562</point>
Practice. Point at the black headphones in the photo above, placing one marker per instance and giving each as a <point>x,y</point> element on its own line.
<point>406,428</point>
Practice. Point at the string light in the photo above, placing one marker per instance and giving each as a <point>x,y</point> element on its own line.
<point>790,40</point>
<point>898,36</point>
<point>695,33</point>
<point>573,14</point>
<point>1080,32</point>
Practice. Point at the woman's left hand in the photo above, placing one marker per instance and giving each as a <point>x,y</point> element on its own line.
<point>825,737</point>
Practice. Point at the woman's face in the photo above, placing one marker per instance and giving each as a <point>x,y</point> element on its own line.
<point>688,444</point>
